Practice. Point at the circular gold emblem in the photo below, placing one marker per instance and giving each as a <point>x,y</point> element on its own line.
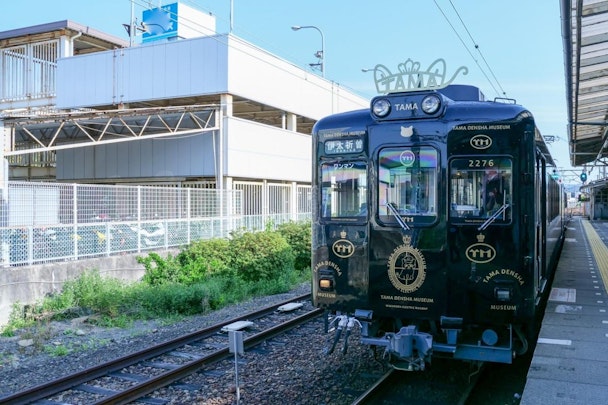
<point>406,268</point>
<point>343,248</point>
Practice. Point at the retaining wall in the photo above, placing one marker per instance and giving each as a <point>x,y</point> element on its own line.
<point>28,284</point>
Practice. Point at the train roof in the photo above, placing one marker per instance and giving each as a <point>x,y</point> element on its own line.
<point>467,103</point>
<point>462,92</point>
<point>357,118</point>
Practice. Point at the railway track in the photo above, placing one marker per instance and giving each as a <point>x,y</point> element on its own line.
<point>165,363</point>
<point>445,384</point>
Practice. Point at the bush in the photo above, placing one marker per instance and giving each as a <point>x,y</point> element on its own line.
<point>176,299</point>
<point>203,259</point>
<point>251,256</point>
<point>171,299</point>
<point>89,290</point>
<point>298,235</point>
<point>261,256</point>
<point>158,270</point>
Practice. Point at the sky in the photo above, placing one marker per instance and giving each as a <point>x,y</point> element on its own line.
<point>512,48</point>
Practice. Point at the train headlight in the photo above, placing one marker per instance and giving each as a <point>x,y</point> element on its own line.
<point>431,104</point>
<point>381,107</point>
<point>326,284</point>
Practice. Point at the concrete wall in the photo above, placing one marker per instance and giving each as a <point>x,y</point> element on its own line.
<point>29,284</point>
<point>255,150</point>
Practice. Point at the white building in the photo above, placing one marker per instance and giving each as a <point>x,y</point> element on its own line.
<point>211,111</point>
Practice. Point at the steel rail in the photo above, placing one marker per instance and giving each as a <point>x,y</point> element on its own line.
<point>68,382</point>
<point>381,389</point>
<point>131,394</point>
<point>371,391</point>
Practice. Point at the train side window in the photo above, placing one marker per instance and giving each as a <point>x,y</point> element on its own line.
<point>480,189</point>
<point>407,179</point>
<point>344,190</point>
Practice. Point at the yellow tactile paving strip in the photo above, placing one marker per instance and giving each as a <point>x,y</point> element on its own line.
<point>600,252</point>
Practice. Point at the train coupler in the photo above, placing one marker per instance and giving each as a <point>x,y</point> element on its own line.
<point>407,349</point>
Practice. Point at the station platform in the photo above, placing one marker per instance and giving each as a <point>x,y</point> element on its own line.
<point>570,361</point>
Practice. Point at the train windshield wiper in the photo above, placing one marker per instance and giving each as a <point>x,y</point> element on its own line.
<point>395,213</point>
<point>498,213</point>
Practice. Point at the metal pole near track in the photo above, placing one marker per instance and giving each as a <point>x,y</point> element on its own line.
<point>235,344</point>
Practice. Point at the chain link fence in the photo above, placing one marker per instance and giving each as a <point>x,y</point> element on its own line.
<point>46,222</point>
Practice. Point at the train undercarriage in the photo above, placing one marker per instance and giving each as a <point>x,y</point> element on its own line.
<point>412,346</point>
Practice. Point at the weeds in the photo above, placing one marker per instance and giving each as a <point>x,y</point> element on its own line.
<point>205,276</point>
<point>56,351</point>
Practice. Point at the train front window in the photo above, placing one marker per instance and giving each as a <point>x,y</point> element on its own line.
<point>407,179</point>
<point>344,190</point>
<point>481,189</point>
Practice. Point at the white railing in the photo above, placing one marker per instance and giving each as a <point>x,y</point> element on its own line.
<point>28,71</point>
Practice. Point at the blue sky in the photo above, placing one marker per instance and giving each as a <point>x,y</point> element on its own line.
<point>519,41</point>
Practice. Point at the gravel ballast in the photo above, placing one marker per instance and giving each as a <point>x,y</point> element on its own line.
<point>294,370</point>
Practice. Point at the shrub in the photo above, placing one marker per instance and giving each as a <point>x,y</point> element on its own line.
<point>261,255</point>
<point>298,235</point>
<point>158,270</point>
<point>172,299</point>
<point>203,259</point>
<point>100,294</point>
<point>249,255</point>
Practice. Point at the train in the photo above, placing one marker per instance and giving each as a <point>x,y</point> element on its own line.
<point>437,223</point>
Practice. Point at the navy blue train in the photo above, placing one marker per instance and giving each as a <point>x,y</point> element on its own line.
<point>436,226</point>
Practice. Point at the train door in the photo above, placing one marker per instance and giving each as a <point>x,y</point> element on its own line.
<point>482,245</point>
<point>540,248</point>
<point>407,243</point>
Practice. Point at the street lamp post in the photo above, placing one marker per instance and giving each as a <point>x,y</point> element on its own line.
<point>320,54</point>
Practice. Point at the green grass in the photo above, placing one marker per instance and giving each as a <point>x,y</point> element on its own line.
<point>199,279</point>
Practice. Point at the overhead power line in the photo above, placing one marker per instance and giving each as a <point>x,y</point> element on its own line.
<point>500,93</point>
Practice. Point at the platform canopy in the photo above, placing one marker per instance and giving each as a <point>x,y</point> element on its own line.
<point>585,35</point>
